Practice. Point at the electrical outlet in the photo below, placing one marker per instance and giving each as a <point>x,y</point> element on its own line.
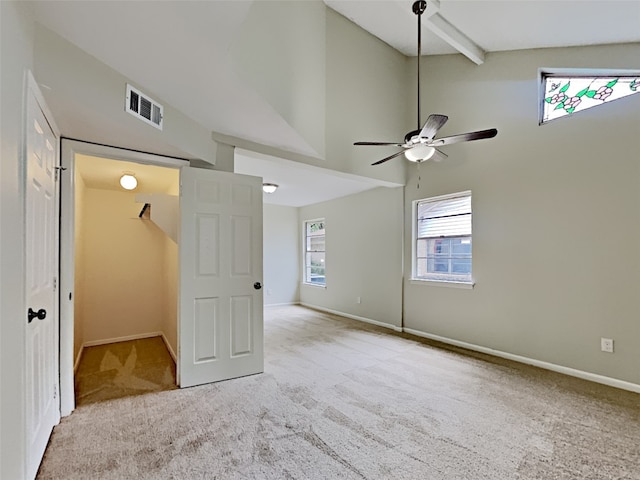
<point>269,292</point>
<point>358,300</point>
<point>606,345</point>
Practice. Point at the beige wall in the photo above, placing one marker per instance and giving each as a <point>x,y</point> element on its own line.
<point>556,224</point>
<point>281,54</point>
<point>125,269</point>
<point>170,292</point>
<point>366,87</point>
<point>347,86</point>
<point>363,255</point>
<point>281,254</point>
<point>87,97</point>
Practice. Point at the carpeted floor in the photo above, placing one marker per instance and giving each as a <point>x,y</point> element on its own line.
<point>122,369</point>
<point>340,399</point>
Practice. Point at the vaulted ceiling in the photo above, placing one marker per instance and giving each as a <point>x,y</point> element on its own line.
<point>162,45</point>
<point>476,27</point>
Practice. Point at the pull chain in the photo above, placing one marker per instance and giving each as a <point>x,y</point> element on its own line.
<point>418,166</point>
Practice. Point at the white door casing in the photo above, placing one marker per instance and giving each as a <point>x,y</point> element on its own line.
<point>71,148</point>
<point>41,253</point>
<point>220,296</point>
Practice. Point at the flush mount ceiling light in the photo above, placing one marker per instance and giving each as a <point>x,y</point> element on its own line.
<point>269,187</point>
<point>128,181</point>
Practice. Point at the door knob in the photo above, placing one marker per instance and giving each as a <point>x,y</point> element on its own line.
<point>40,314</point>
<point>257,285</point>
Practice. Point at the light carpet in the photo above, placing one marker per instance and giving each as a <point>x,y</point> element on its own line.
<point>125,368</point>
<point>341,399</point>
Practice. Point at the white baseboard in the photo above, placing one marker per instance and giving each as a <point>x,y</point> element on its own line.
<point>95,343</point>
<point>353,317</point>
<point>280,304</point>
<point>170,348</point>
<point>593,377</point>
<point>126,338</point>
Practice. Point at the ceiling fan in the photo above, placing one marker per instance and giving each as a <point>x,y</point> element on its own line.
<point>420,145</point>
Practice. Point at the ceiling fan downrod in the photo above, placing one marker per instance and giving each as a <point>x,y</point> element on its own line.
<point>419,7</point>
<point>421,144</point>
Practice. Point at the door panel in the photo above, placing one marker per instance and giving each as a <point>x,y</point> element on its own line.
<point>241,236</point>
<point>205,331</point>
<point>220,328</point>
<point>43,410</point>
<point>208,238</point>
<point>241,331</point>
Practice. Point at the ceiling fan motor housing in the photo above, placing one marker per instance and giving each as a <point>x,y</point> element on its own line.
<point>410,136</point>
<point>419,7</point>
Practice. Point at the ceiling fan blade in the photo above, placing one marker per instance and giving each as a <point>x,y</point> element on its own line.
<point>432,125</point>
<point>439,156</point>
<point>388,158</point>
<point>378,143</point>
<point>464,137</point>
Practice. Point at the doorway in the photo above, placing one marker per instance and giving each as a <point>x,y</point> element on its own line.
<point>219,313</point>
<point>126,268</point>
<point>94,199</point>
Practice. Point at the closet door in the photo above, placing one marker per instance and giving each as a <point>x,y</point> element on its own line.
<point>220,291</point>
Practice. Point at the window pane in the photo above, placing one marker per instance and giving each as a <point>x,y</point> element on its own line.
<point>315,244</point>
<point>314,252</point>
<point>444,259</point>
<point>315,268</point>
<point>461,265</point>
<point>440,246</point>
<point>461,246</point>
<point>315,228</point>
<point>316,259</point>
<point>564,95</point>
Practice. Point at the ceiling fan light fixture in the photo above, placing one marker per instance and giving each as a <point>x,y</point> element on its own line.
<point>128,181</point>
<point>269,187</point>
<point>419,153</point>
<point>419,145</point>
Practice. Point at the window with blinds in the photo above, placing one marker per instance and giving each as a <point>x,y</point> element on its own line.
<point>314,252</point>
<point>443,238</point>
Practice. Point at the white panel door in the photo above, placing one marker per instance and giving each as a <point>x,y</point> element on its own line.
<point>42,408</point>
<point>220,326</point>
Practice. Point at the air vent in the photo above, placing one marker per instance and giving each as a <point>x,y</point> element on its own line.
<point>141,106</point>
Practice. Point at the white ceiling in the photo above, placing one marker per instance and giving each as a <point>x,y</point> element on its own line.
<point>104,174</point>
<point>110,31</point>
<point>299,184</point>
<point>496,25</point>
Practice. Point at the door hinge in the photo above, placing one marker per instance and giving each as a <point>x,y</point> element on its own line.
<point>58,169</point>
<point>55,391</point>
<point>55,284</point>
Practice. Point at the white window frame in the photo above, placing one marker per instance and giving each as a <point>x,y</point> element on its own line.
<point>466,284</point>
<point>305,252</point>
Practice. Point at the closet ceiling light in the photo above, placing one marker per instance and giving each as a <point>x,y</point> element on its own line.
<point>128,181</point>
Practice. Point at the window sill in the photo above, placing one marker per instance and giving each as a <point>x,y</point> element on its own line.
<point>314,285</point>
<point>443,283</point>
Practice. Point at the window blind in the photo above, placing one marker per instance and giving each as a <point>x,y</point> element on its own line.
<point>449,217</point>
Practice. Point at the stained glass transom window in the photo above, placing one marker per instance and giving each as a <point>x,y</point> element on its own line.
<point>565,94</point>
